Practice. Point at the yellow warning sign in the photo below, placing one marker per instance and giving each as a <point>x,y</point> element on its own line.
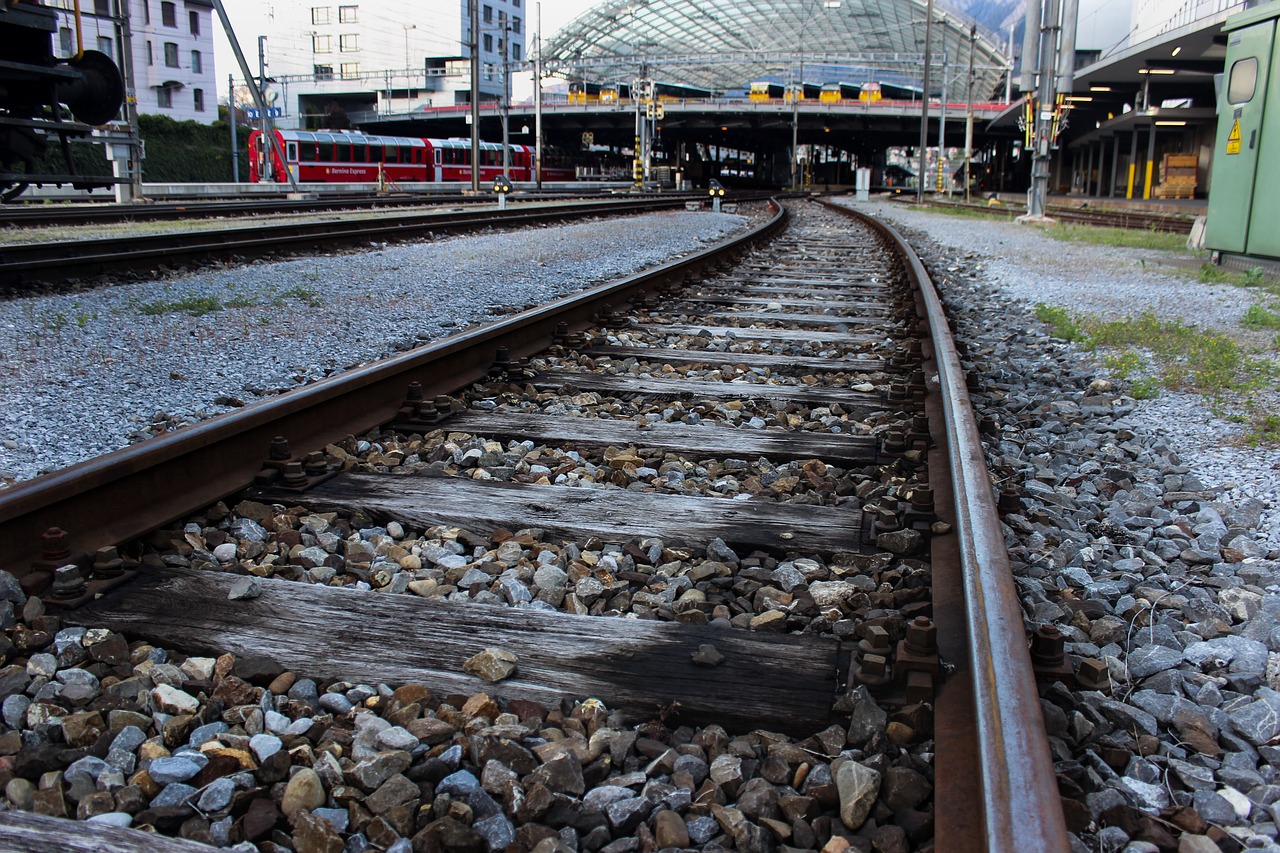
<point>1233,138</point>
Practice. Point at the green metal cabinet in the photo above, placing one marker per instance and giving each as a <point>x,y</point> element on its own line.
<point>1244,199</point>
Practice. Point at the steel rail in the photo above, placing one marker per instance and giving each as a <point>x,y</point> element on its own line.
<point>1020,801</point>
<point>129,492</point>
<point>46,215</point>
<point>80,214</point>
<point>27,263</point>
<point>1101,217</point>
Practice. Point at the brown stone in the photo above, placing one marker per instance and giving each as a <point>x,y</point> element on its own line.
<point>99,802</point>
<point>409,694</point>
<point>669,830</point>
<point>312,834</point>
<point>113,650</point>
<point>260,819</point>
<point>234,690</point>
<point>50,802</point>
<point>447,835</point>
<point>305,791</point>
<point>82,729</point>
<point>480,705</point>
<point>281,683</point>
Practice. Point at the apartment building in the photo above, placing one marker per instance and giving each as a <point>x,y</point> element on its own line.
<point>386,55</point>
<point>173,67</point>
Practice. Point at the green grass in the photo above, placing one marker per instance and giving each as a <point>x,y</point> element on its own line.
<point>1060,321</point>
<point>1134,238</point>
<point>1151,354</point>
<point>194,306</point>
<point>1258,317</point>
<point>991,214</point>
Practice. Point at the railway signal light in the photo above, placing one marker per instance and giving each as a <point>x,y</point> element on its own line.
<point>716,190</point>
<point>502,186</point>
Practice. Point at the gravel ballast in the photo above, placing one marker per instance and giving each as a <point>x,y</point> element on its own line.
<point>86,373</point>
<point>1144,535</point>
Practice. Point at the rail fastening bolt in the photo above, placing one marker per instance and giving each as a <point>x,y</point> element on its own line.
<point>1047,646</point>
<point>54,547</point>
<point>279,450</point>
<point>922,636</point>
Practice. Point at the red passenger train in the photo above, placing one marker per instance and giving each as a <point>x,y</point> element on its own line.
<point>343,157</point>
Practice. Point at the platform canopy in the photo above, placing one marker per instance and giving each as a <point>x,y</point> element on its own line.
<point>724,45</point>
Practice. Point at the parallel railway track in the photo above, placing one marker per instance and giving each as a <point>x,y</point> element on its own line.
<point>739,447</point>
<point>25,265</point>
<point>16,216</point>
<point>1098,216</point>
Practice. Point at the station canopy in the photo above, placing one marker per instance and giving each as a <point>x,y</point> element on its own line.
<point>724,45</point>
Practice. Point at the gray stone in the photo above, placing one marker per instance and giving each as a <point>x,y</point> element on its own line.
<point>1259,721</point>
<point>175,794</point>
<point>625,815</point>
<point>858,787</point>
<point>245,588</point>
<point>173,769</point>
<point>496,831</point>
<point>217,795</point>
<point>1148,660</point>
<point>598,799</point>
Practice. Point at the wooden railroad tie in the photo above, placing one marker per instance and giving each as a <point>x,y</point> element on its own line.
<point>614,515</point>
<point>693,441</point>
<point>783,364</point>
<point>856,403</point>
<point>638,667</point>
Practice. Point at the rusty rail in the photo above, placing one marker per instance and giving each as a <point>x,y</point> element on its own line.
<point>127,493</point>
<point>1020,805</point>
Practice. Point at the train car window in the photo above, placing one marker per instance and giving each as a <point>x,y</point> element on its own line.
<point>342,152</point>
<point>1243,81</point>
<point>438,153</point>
<point>291,152</point>
<point>391,154</point>
<point>375,152</point>
<point>307,152</point>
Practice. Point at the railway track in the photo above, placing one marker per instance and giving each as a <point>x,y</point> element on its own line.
<point>1098,217</point>
<point>24,265</point>
<point>761,454</point>
<point>107,213</point>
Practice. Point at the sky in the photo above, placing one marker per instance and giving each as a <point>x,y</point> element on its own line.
<point>248,22</point>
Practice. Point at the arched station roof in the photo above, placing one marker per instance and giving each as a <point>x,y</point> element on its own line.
<point>723,45</point>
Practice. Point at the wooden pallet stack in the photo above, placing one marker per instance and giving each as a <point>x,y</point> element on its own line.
<point>1177,176</point>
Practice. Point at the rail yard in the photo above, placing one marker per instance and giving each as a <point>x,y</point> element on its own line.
<point>676,530</point>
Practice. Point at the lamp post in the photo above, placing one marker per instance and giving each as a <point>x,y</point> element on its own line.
<point>407,27</point>
<point>924,103</point>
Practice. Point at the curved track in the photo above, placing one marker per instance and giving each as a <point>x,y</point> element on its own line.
<point>783,326</point>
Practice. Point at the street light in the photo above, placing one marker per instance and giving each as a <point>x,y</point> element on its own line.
<point>798,92</point>
<point>407,27</point>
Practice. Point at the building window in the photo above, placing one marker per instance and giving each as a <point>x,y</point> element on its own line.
<point>198,99</point>
<point>64,41</point>
<point>102,7</point>
<point>323,72</point>
<point>104,45</point>
<point>515,51</point>
<point>515,3</point>
<point>319,14</point>
<point>347,14</point>
<point>194,18</point>
<point>168,14</point>
<point>350,70</point>
<point>146,11</point>
<point>488,14</point>
<point>151,54</point>
<point>488,43</point>
<point>171,54</point>
<point>322,44</point>
<point>515,25</point>
<point>197,62</point>
<point>164,97</point>
<point>348,43</point>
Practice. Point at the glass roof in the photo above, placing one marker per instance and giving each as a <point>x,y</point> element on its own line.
<point>724,45</point>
